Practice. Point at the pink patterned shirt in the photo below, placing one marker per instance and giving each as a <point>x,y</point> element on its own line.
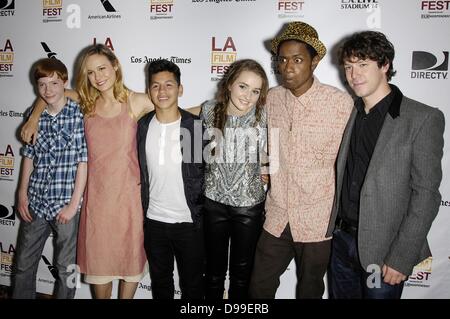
<point>310,133</point>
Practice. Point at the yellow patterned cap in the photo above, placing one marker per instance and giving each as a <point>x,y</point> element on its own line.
<point>303,32</point>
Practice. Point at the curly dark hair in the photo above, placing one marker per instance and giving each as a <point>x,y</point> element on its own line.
<point>371,45</point>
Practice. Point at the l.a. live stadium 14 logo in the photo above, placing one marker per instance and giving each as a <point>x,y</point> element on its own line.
<point>290,9</point>
<point>161,9</point>
<point>52,10</point>
<point>359,4</point>
<point>435,9</point>
<point>222,56</point>
<point>6,59</point>
<point>429,66</point>
<point>6,8</point>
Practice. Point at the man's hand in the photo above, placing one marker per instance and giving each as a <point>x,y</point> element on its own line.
<point>265,178</point>
<point>22,207</point>
<point>29,132</point>
<point>392,276</point>
<point>66,214</point>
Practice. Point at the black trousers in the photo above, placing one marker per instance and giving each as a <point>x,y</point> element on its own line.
<point>183,241</point>
<point>236,229</point>
<point>272,257</point>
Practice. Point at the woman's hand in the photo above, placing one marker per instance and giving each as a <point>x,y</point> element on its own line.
<point>29,131</point>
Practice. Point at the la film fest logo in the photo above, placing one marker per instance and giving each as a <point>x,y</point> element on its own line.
<point>108,42</point>
<point>7,252</point>
<point>6,59</point>
<point>429,66</point>
<point>111,12</point>
<point>52,10</point>
<point>8,216</point>
<point>435,9</point>
<point>359,4</point>
<point>161,9</point>
<point>421,275</point>
<point>6,8</point>
<point>223,53</point>
<point>290,9</point>
<point>7,161</point>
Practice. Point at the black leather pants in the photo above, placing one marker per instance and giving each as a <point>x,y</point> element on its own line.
<point>239,226</point>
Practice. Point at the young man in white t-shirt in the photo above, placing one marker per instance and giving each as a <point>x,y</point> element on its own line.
<point>170,148</point>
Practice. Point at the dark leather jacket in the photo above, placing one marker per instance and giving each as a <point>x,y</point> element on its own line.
<point>192,166</point>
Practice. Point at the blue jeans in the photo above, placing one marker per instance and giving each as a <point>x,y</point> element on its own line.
<point>31,242</point>
<point>349,280</point>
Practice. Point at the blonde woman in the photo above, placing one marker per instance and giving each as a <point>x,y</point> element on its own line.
<point>111,238</point>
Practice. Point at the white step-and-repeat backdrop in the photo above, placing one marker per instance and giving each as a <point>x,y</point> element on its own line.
<point>203,37</point>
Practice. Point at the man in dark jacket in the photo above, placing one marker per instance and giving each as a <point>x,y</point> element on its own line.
<point>170,151</point>
<point>388,176</point>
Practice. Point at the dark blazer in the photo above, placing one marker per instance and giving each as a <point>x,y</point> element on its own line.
<point>192,167</point>
<point>400,195</point>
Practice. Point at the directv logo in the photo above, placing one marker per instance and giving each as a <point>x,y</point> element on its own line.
<point>7,217</point>
<point>426,65</point>
<point>7,8</point>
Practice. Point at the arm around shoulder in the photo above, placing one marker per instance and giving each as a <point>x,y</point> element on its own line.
<point>140,104</point>
<point>29,131</point>
<point>72,94</point>
<point>194,110</point>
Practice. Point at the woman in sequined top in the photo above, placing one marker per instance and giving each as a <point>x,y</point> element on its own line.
<point>234,182</point>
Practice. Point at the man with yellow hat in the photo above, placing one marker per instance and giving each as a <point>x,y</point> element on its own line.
<point>311,119</point>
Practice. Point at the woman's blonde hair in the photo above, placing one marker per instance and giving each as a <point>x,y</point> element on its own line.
<point>88,94</point>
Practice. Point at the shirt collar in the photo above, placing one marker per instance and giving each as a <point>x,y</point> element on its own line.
<point>63,111</point>
<point>305,96</point>
<point>389,104</point>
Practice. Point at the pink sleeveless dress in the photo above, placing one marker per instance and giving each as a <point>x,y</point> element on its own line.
<point>111,235</point>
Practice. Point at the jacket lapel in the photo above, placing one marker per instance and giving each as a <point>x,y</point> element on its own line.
<point>387,131</point>
<point>142,132</point>
<point>343,152</point>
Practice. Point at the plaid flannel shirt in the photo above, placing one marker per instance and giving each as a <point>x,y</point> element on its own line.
<point>59,148</point>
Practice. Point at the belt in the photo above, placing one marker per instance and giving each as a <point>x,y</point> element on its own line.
<point>347,227</point>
